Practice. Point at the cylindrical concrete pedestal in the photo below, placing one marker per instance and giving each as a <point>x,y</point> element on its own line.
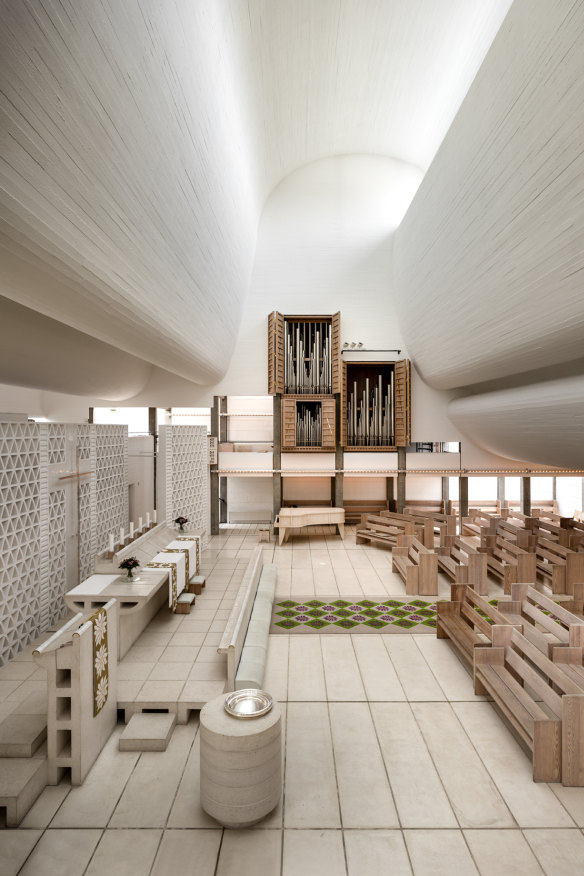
<point>241,764</point>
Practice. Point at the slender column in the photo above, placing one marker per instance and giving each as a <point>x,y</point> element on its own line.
<point>390,493</point>
<point>214,468</point>
<point>463,496</point>
<point>153,430</point>
<point>222,481</point>
<point>90,417</point>
<point>401,479</point>
<point>339,457</point>
<point>277,464</point>
<point>445,494</point>
<point>526,496</point>
<point>501,491</point>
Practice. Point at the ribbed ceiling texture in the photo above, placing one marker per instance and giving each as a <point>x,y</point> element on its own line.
<point>141,138</point>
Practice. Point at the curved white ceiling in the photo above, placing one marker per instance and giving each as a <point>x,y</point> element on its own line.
<point>542,423</point>
<point>140,140</point>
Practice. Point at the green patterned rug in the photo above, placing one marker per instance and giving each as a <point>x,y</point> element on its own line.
<point>358,616</point>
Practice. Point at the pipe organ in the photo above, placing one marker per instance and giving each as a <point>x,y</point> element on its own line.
<point>307,357</point>
<point>370,412</point>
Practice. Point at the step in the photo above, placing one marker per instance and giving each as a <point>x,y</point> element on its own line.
<point>22,780</point>
<point>147,732</point>
<point>21,735</point>
<point>184,602</point>
<point>196,584</point>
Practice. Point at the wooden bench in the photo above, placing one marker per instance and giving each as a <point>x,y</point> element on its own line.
<point>547,624</point>
<point>356,508</point>
<point>417,565</point>
<point>548,717</point>
<point>508,562</point>
<point>512,529</point>
<point>436,526</point>
<point>464,564</point>
<point>431,507</point>
<point>560,568</point>
<point>479,522</point>
<point>460,620</point>
<point>384,529</point>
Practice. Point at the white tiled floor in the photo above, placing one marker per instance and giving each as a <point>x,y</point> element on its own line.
<point>391,764</point>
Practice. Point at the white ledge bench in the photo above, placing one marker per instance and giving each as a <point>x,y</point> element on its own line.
<point>236,629</point>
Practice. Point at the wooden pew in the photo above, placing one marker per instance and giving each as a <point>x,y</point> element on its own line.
<point>479,521</point>
<point>552,633</point>
<point>508,562</point>
<point>548,717</point>
<point>464,564</point>
<point>560,568</point>
<point>460,621</point>
<point>417,565</point>
<point>444,525</point>
<point>513,529</point>
<point>384,529</point>
<point>355,509</point>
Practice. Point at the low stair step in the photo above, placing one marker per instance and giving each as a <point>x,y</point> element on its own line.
<point>147,732</point>
<point>21,735</point>
<point>22,780</point>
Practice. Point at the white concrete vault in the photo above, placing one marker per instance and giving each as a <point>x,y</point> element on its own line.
<point>141,140</point>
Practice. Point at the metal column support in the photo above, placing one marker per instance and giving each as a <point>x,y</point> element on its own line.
<point>222,439</point>
<point>526,496</point>
<point>277,464</point>
<point>339,457</point>
<point>214,489</point>
<point>463,497</point>
<point>401,479</point>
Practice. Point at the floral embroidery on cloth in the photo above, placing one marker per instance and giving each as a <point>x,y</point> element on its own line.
<point>173,578</point>
<point>194,538</point>
<point>186,552</point>
<point>100,660</point>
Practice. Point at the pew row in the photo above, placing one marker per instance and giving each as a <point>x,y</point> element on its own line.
<point>547,624</point>
<point>507,562</point>
<point>464,564</point>
<point>543,704</point>
<point>467,620</point>
<point>417,565</point>
<point>560,568</point>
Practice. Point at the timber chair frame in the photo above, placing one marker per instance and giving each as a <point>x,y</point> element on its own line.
<point>384,529</point>
<point>561,568</point>
<point>461,621</point>
<point>508,562</point>
<point>549,717</point>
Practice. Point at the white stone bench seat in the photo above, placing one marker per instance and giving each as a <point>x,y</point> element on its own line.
<point>252,664</point>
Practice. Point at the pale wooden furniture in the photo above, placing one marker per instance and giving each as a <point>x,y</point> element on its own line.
<point>264,533</point>
<point>461,621</point>
<point>548,717</point>
<point>384,528</point>
<point>417,565</point>
<point>356,508</point>
<point>547,624</point>
<point>561,568</point>
<point>296,518</point>
<point>322,407</point>
<point>508,562</point>
<point>464,564</point>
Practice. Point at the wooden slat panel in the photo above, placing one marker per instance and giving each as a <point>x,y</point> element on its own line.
<point>328,423</point>
<point>275,353</point>
<point>343,403</point>
<point>402,403</point>
<point>336,351</point>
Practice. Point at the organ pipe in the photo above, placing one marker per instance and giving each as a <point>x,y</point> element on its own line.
<point>308,425</point>
<point>307,358</point>
<point>371,412</point>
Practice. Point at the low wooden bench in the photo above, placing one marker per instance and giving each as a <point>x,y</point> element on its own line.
<point>436,526</point>
<point>518,532</point>
<point>460,620</point>
<point>417,565</point>
<point>548,717</point>
<point>547,624</point>
<point>356,508</point>
<point>508,562</point>
<point>564,530</point>
<point>384,529</point>
<point>561,568</point>
<point>464,564</point>
<point>479,522</point>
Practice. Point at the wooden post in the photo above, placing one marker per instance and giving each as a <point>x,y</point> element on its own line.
<point>390,494</point>
<point>501,491</point>
<point>277,457</point>
<point>401,479</point>
<point>445,495</point>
